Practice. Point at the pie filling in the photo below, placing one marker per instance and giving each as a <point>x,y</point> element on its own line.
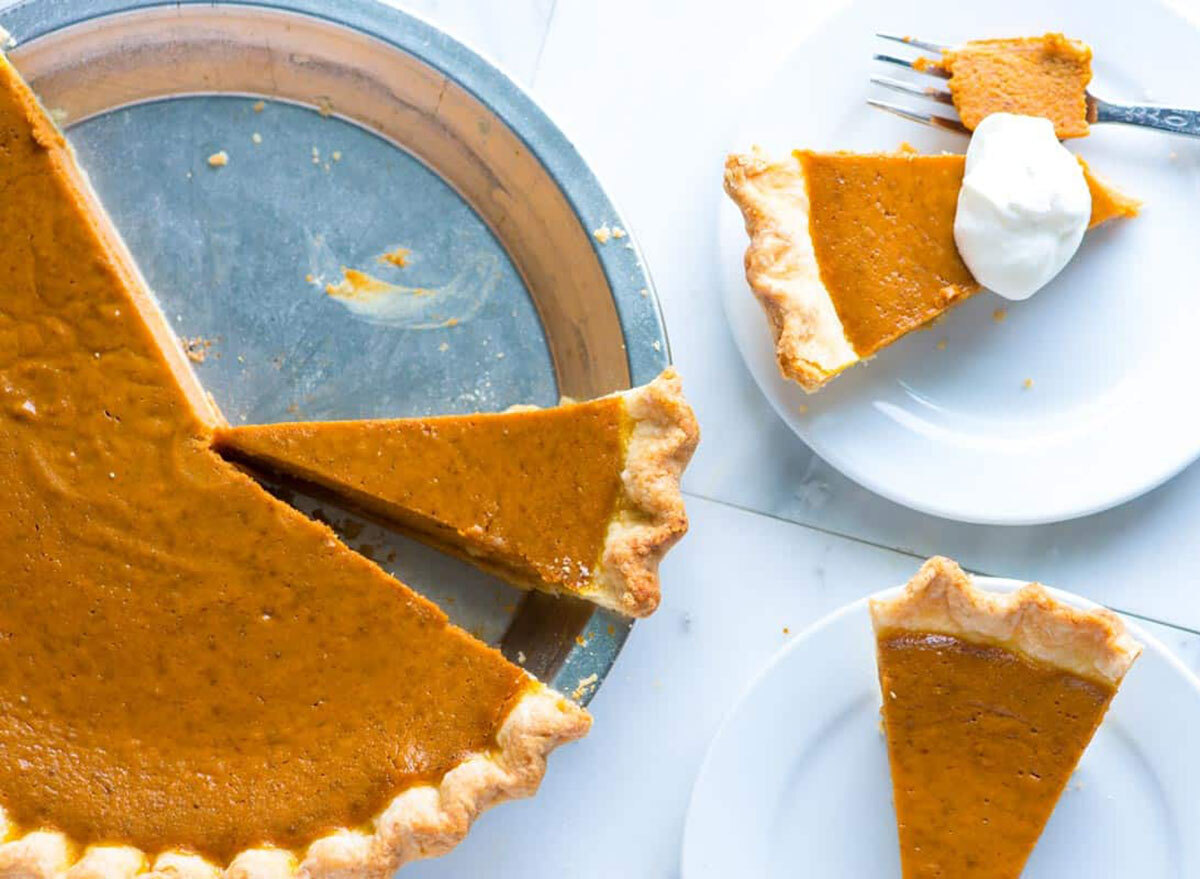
<point>882,230</point>
<point>982,741</point>
<point>1034,76</point>
<point>529,495</point>
<point>185,662</point>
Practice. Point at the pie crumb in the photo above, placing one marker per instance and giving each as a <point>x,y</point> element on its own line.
<point>941,345</point>
<point>602,234</point>
<point>397,256</point>
<point>786,630</point>
<point>337,155</point>
<point>1027,384</point>
<point>999,315</point>
<point>584,685</point>
<point>259,106</point>
<point>196,348</point>
<point>444,347</point>
<point>218,159</point>
<point>520,657</point>
<point>256,137</point>
<point>802,408</point>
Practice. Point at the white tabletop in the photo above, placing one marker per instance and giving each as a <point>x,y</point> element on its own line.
<point>649,91</point>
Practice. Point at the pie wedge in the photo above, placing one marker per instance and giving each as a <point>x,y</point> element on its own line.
<point>849,252</point>
<point>989,700</point>
<point>580,499</point>
<point>1043,76</point>
<point>194,676</point>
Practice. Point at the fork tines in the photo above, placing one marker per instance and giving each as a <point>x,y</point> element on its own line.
<point>929,93</point>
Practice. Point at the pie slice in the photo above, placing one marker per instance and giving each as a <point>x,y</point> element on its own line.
<point>193,674</point>
<point>1043,76</point>
<point>849,252</point>
<point>580,499</point>
<point>989,700</point>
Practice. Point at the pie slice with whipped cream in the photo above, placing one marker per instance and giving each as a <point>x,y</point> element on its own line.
<point>989,701</point>
<point>581,499</point>
<point>850,251</point>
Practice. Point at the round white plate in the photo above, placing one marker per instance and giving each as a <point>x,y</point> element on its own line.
<point>1109,344</point>
<point>796,780</point>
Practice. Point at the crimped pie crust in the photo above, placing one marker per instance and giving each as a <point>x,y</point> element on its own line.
<point>421,822</point>
<point>781,267</point>
<point>942,599</point>
<point>652,516</point>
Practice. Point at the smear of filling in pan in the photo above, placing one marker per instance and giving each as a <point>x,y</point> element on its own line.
<point>380,301</point>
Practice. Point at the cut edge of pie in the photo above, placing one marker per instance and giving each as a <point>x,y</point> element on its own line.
<point>942,599</point>
<point>811,343</point>
<point>422,821</point>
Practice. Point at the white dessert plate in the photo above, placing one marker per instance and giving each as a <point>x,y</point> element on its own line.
<point>796,780</point>
<point>951,429</point>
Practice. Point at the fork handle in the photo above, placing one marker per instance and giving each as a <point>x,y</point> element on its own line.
<point>1149,116</point>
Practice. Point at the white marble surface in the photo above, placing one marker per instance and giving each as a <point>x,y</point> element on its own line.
<point>648,91</point>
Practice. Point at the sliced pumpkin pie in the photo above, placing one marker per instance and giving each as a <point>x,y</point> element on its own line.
<point>193,675</point>
<point>850,251</point>
<point>581,498</point>
<point>989,701</point>
<point>1043,76</point>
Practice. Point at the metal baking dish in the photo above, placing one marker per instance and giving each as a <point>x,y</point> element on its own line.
<point>375,131</point>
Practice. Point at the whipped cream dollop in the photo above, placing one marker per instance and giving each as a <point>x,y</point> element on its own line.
<point>1023,207</point>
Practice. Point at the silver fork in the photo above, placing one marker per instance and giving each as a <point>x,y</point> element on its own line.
<point>1170,119</point>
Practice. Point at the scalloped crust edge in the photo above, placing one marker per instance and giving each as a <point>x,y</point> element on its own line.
<point>652,517</point>
<point>942,599</point>
<point>781,268</point>
<point>421,822</point>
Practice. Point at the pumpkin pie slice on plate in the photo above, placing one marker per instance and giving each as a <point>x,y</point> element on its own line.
<point>580,499</point>
<point>1043,76</point>
<point>989,700</point>
<point>848,252</point>
<point>193,675</point>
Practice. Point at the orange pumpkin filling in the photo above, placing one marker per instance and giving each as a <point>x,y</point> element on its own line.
<point>184,661</point>
<point>533,492</point>
<point>981,742</point>
<point>1043,76</point>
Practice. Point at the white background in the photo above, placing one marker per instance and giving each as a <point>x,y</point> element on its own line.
<point>649,92</point>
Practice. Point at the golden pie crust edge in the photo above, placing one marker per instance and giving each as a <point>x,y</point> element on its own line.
<point>781,267</point>
<point>651,518</point>
<point>421,822</point>
<point>942,599</point>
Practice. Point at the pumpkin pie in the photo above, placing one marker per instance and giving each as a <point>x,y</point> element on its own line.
<point>989,700</point>
<point>849,252</point>
<point>194,677</point>
<point>503,499</point>
<point>1043,76</point>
